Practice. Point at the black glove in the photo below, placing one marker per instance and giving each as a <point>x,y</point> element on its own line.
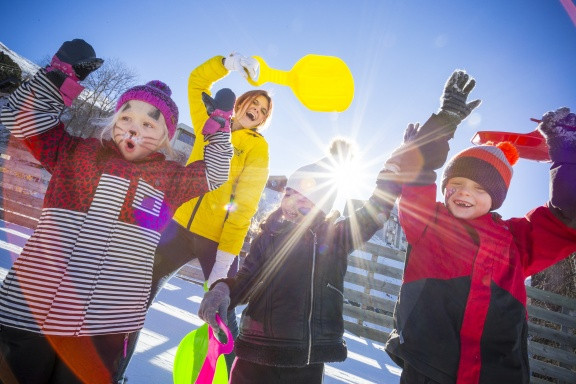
<point>220,109</point>
<point>559,129</point>
<point>420,154</point>
<point>10,74</point>
<point>216,300</point>
<point>456,91</point>
<point>76,59</point>
<point>81,56</point>
<point>425,148</point>
<point>453,109</point>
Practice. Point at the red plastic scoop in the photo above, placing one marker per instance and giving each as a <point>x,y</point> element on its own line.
<point>531,146</point>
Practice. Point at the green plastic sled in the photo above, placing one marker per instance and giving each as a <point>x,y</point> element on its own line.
<point>191,357</point>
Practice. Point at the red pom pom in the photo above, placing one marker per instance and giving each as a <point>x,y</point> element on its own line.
<point>510,151</point>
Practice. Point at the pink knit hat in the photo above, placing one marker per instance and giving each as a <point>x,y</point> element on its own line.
<point>157,94</point>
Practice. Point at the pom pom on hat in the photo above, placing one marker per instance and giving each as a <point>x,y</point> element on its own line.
<point>488,165</point>
<point>157,94</point>
<point>510,151</point>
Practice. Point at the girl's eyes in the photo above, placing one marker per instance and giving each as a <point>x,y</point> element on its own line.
<point>145,124</point>
<point>263,111</point>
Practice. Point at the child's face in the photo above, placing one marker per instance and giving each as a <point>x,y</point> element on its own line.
<point>295,206</point>
<point>139,130</point>
<point>466,199</point>
<point>255,114</point>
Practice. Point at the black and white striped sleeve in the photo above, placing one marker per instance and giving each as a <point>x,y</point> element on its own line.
<point>217,155</point>
<point>33,108</point>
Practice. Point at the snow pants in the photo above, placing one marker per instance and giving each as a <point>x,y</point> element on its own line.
<point>33,358</point>
<point>177,247</point>
<point>246,372</point>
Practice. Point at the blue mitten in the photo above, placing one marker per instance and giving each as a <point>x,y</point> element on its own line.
<point>220,109</point>
<point>559,129</point>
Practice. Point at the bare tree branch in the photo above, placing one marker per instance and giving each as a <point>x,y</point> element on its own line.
<point>103,88</point>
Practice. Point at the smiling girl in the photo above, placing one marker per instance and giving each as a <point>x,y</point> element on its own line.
<point>212,228</point>
<point>292,282</point>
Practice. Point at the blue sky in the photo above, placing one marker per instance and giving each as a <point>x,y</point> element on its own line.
<point>400,54</point>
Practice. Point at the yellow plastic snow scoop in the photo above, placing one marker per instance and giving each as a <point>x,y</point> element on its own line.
<point>321,83</point>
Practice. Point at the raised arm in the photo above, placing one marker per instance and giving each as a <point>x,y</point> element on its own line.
<point>425,148</point>
<point>559,129</point>
<point>33,111</point>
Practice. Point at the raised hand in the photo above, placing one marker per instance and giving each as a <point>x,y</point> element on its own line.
<point>73,62</point>
<point>559,129</point>
<point>220,109</point>
<point>455,95</point>
<point>76,58</point>
<point>248,66</point>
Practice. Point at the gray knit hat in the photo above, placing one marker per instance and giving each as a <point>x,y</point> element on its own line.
<point>316,182</point>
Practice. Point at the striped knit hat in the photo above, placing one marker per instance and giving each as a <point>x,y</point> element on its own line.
<point>158,94</point>
<point>488,165</point>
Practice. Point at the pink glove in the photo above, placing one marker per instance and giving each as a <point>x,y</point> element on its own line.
<point>220,109</point>
<point>73,62</point>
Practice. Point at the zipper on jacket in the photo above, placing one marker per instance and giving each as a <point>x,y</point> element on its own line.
<point>193,215</point>
<point>336,289</point>
<point>311,299</point>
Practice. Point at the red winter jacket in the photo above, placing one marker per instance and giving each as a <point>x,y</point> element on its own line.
<point>461,313</point>
<point>87,268</point>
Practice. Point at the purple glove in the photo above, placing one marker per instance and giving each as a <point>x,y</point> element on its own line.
<point>559,129</point>
<point>220,109</point>
<point>73,62</point>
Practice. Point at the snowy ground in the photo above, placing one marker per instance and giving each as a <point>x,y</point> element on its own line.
<point>173,315</point>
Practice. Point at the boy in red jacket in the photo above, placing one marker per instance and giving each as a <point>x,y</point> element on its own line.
<point>461,313</point>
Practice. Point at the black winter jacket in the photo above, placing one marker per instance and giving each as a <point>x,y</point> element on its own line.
<point>293,281</point>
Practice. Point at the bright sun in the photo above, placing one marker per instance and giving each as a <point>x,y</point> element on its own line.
<point>349,178</point>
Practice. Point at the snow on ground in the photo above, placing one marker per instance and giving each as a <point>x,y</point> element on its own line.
<point>173,315</point>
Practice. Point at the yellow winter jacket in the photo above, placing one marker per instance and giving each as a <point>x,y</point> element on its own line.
<point>224,215</point>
